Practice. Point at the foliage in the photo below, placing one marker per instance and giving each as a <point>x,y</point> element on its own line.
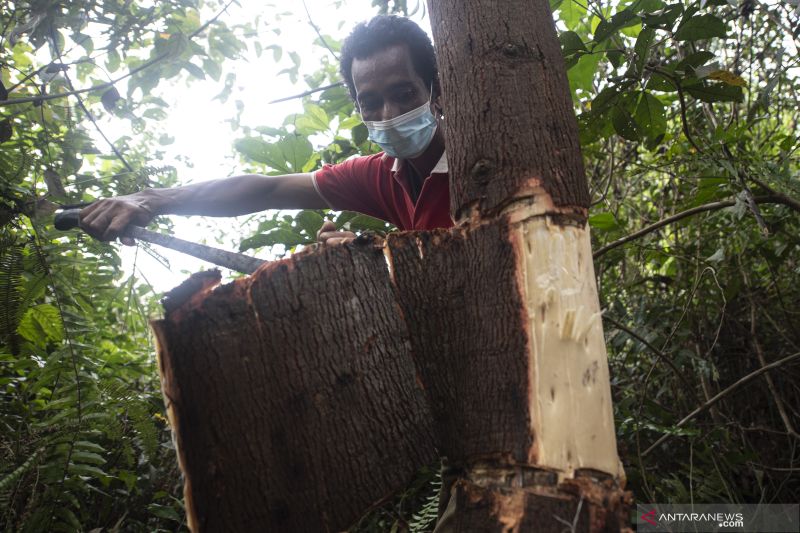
<point>83,440</point>
<point>692,108</point>
<point>681,106</point>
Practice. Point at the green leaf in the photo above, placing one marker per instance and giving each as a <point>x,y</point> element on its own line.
<point>649,6</point>
<point>701,27</point>
<point>68,517</point>
<point>692,61</point>
<point>642,48</point>
<point>607,28</point>
<point>87,470</point>
<point>41,323</point>
<point>112,61</point>
<point>194,70</point>
<point>572,13</point>
<point>163,511</point>
<point>605,99</point>
<point>129,478</point>
<point>295,151</point>
<point>718,92</point>
<point>582,74</point>
<point>603,221</point>
<point>367,223</point>
<point>88,445</point>
<point>313,120</point>
<point>666,19</point>
<point>350,122</point>
<point>87,457</point>
<point>212,68</point>
<point>310,222</point>
<point>253,148</point>
<point>360,134</point>
<point>624,124</point>
<point>650,116</point>
<point>659,82</point>
<point>282,236</point>
<point>571,43</point>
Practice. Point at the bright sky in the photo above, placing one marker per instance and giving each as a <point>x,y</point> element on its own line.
<point>197,122</point>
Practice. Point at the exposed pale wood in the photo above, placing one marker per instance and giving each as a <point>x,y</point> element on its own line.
<point>570,403</point>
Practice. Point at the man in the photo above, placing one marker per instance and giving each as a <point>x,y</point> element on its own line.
<point>389,66</point>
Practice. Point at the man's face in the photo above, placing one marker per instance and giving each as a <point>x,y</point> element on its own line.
<point>387,84</point>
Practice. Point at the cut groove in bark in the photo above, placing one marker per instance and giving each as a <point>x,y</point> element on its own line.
<point>293,396</point>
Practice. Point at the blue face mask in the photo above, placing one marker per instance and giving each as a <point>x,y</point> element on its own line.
<point>406,136</point>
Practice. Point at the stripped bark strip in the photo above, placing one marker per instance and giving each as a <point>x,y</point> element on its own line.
<point>293,397</point>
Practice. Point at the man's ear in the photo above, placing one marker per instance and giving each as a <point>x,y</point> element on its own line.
<point>438,107</point>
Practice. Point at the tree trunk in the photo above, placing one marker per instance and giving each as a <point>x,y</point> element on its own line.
<point>524,408</point>
<point>310,391</point>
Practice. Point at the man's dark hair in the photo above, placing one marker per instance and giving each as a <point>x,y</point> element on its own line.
<point>380,33</point>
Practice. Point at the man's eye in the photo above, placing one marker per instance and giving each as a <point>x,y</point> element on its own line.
<point>369,105</point>
<point>405,95</point>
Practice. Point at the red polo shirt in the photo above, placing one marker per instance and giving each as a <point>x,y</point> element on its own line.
<point>377,185</point>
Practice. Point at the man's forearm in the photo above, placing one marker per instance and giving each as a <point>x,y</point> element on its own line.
<point>238,195</point>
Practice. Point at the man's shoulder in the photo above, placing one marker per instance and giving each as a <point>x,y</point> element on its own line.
<point>373,163</point>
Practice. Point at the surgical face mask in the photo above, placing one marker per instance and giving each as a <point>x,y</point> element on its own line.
<point>406,136</point>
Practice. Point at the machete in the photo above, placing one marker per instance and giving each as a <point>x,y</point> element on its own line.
<point>245,264</point>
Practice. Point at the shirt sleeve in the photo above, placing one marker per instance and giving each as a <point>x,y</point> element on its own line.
<point>353,185</point>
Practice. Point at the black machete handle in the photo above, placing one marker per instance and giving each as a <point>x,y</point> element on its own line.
<point>67,219</point>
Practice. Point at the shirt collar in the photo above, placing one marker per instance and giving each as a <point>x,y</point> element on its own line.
<point>440,168</point>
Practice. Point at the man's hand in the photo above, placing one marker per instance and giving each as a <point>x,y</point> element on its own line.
<point>328,234</point>
<point>107,219</point>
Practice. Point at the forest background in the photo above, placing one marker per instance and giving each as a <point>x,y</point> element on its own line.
<point>688,119</point>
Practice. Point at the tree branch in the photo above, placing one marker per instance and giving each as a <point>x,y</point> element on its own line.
<point>311,91</point>
<point>723,393</point>
<point>319,34</point>
<point>89,114</point>
<point>661,355</point>
<point>100,87</point>
<point>771,199</point>
<point>107,85</point>
<point>785,199</point>
<point>211,21</point>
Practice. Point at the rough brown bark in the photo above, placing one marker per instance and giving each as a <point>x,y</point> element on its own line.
<point>459,295</point>
<point>292,394</point>
<point>510,126</point>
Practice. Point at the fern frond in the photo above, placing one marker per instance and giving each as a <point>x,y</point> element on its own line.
<point>11,268</point>
<point>424,520</point>
<point>10,478</point>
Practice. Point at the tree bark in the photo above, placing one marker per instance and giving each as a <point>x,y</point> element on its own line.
<point>510,129</point>
<point>292,394</point>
